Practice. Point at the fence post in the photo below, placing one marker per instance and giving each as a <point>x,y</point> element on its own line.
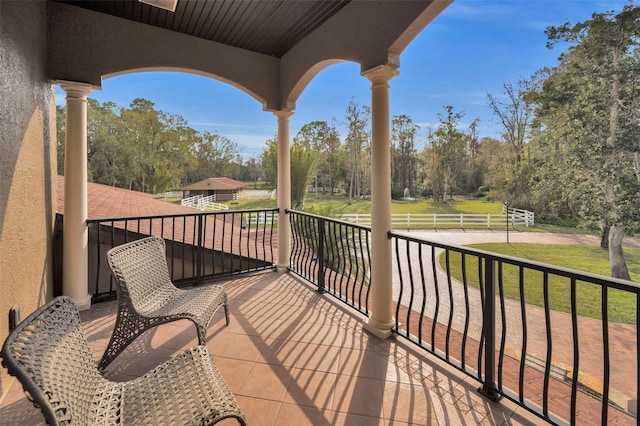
<point>461,221</point>
<point>489,220</point>
<point>320,255</point>
<point>488,388</point>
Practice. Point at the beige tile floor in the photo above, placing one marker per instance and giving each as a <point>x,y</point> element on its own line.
<point>294,357</point>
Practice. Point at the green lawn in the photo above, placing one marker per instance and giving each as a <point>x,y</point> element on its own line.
<point>339,206</point>
<point>622,305</point>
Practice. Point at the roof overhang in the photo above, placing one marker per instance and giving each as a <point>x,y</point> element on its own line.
<point>269,49</point>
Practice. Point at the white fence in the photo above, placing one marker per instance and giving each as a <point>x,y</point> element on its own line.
<point>457,220</point>
<point>520,216</point>
<point>171,195</point>
<point>258,194</point>
<point>261,218</point>
<point>203,203</point>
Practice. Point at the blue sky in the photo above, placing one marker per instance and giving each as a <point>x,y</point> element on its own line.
<point>469,50</point>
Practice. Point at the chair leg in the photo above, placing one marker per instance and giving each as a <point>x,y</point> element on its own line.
<point>202,333</point>
<point>120,339</point>
<point>226,312</point>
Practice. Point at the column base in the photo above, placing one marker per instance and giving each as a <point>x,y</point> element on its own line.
<point>380,329</point>
<point>281,268</point>
<point>83,304</point>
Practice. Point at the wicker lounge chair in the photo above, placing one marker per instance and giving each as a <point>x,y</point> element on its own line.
<point>50,356</point>
<point>148,298</point>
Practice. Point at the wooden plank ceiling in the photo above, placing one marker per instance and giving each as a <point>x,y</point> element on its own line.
<point>270,27</point>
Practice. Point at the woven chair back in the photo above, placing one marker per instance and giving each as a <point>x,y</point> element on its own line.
<point>51,357</point>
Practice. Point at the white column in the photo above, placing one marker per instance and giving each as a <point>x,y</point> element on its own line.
<point>75,235</point>
<point>283,191</point>
<point>381,320</point>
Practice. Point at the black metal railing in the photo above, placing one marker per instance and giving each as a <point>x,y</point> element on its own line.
<point>561,343</point>
<point>200,246</point>
<point>333,255</point>
<point>499,319</point>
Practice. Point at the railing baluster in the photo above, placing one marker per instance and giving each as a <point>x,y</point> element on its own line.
<point>451,304</point>
<point>368,263</point>
<point>199,250</point>
<point>320,256</point>
<point>334,259</point>
<point>400,273</point>
<point>503,319</point>
<point>411,289</point>
<point>465,286</point>
<point>488,388</point>
<point>343,259</point>
<point>365,265</point>
<point>424,292</point>
<point>231,240</point>
<point>523,312</point>
<point>293,256</point>
<point>637,354</point>
<point>481,278</point>
<point>576,351</point>
<point>357,264</point>
<point>605,358</point>
<point>437,296</point>
<point>303,247</point>
<point>547,366</point>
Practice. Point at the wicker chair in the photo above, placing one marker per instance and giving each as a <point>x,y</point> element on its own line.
<point>50,356</point>
<point>147,298</point>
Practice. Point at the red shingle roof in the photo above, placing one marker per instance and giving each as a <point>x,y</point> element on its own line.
<point>223,232</point>
<point>215,184</point>
<point>108,201</point>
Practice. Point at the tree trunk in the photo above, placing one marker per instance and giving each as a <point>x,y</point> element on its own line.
<point>604,238</point>
<point>316,185</point>
<point>616,256</point>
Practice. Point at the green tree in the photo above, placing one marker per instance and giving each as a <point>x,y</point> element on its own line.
<point>356,146</point>
<point>331,157</point>
<point>303,161</point>
<point>448,149</point>
<point>317,137</point>
<point>251,170</point>
<point>515,114</point>
<point>159,145</point>
<point>404,160</point>
<point>215,156</point>
<point>106,154</point>
<point>591,100</point>
<point>269,160</point>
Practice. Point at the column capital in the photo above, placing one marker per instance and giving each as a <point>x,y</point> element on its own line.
<point>380,74</point>
<point>75,89</point>
<point>283,113</point>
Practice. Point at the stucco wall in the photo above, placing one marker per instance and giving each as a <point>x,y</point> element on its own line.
<point>27,163</point>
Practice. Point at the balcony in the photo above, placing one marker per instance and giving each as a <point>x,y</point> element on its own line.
<point>293,356</point>
<point>296,352</point>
